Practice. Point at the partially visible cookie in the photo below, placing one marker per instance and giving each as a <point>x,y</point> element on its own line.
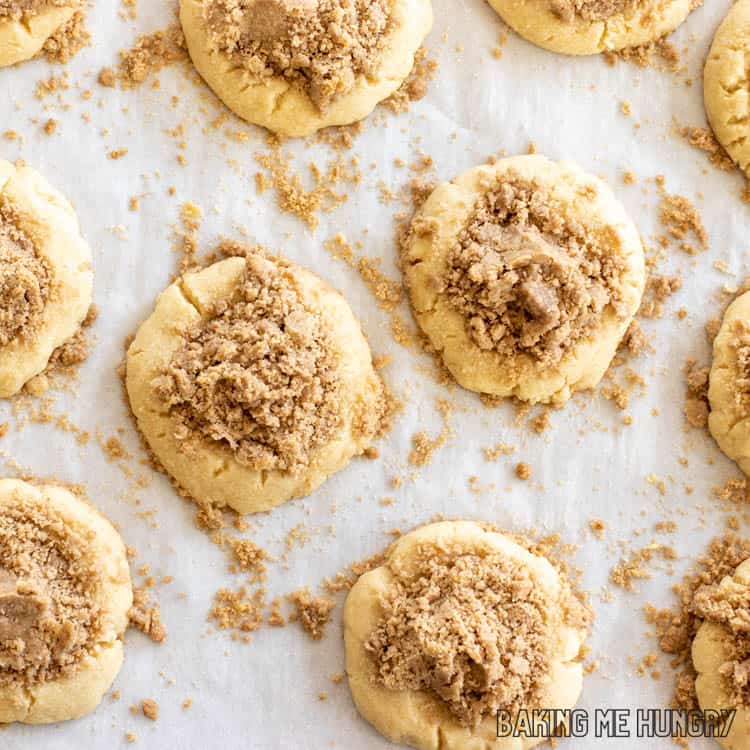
<point>25,25</point>
<point>252,383</point>
<point>586,27</point>
<point>720,652</point>
<point>457,624</point>
<point>524,275</point>
<point>45,275</point>
<point>729,384</point>
<point>725,86</point>
<point>296,66</point>
<point>65,593</point>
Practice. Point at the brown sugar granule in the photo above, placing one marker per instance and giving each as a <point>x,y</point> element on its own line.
<point>697,600</point>
<point>313,612</point>
<point>322,47</point>
<point>50,588</point>
<point>50,127</point>
<point>598,527</point>
<point>474,630</point>
<point>145,615</point>
<point>258,375</point>
<point>696,399</point>
<point>150,709</point>
<point>415,85</point>
<point>523,470</point>
<point>150,54</point>
<point>26,279</point>
<point>680,218</point>
<point>527,278</point>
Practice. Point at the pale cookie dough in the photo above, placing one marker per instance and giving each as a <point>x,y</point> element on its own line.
<point>320,81</point>
<point>586,27</point>
<point>46,277</point>
<point>65,593</point>
<point>252,383</point>
<point>525,275</point>
<point>457,623</point>
<point>729,384</point>
<point>25,25</point>
<point>721,649</point>
<point>726,88</point>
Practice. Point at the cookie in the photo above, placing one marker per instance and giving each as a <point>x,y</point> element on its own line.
<point>46,277</point>
<point>265,61</point>
<point>65,593</point>
<point>720,652</point>
<point>725,84</point>
<point>524,275</point>
<point>252,383</point>
<point>25,25</point>
<point>457,624</point>
<point>586,27</point>
<point>729,384</point>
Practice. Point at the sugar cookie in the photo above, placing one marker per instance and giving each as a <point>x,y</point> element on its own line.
<point>276,63</point>
<point>457,624</point>
<point>525,275</point>
<point>586,27</point>
<point>45,275</point>
<point>252,382</point>
<point>725,84</point>
<point>65,593</point>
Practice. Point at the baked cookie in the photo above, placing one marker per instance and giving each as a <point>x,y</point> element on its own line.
<point>725,84</point>
<point>456,624</point>
<point>296,66</point>
<point>65,593</point>
<point>45,275</point>
<point>721,649</point>
<point>586,27</point>
<point>729,384</point>
<point>252,383</point>
<point>25,25</point>
<point>525,275</point>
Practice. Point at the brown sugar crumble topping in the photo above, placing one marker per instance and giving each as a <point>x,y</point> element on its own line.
<point>48,622</point>
<point>258,375</point>
<point>17,9</point>
<point>529,279</point>
<point>589,10</point>
<point>474,630</point>
<point>323,46</point>
<point>740,344</point>
<point>25,280</point>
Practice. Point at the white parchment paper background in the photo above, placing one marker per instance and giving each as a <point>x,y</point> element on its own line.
<point>265,694</point>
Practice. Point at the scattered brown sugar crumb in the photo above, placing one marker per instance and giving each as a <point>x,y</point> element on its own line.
<point>52,588</point>
<point>697,600</point>
<point>660,54</point>
<point>634,566</point>
<point>150,54</point>
<point>732,491</point>
<point>527,280</point>
<point>423,446</point>
<point>415,85</point>
<point>50,127</point>
<point>540,422</point>
<point>680,218</point>
<point>489,606</point>
<point>238,610</point>
<point>501,449</point>
<point>118,153</point>
<point>243,400</point>
<point>696,399</point>
<point>598,527</point>
<point>659,288</point>
<point>248,556</point>
<point>322,47</point>
<point>145,615</point>
<point>67,40</point>
<point>523,470</point>
<point>150,709</point>
<point>131,737</point>
<point>704,139</point>
<point>187,704</point>
<point>69,356</point>
<point>275,617</point>
<point>313,612</point>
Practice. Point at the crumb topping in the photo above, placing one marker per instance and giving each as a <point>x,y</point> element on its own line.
<point>259,375</point>
<point>16,9</point>
<point>528,279</point>
<point>589,10</point>
<point>48,621</point>
<point>25,280</point>
<point>740,343</point>
<point>323,46</point>
<point>474,629</point>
